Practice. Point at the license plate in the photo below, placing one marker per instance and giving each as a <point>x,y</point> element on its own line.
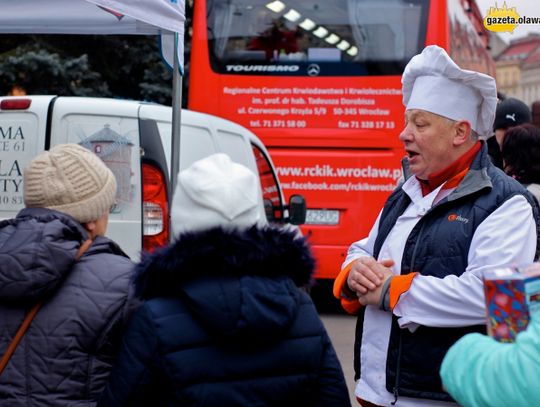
<point>322,217</point>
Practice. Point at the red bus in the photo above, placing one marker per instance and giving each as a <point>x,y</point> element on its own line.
<point>319,83</point>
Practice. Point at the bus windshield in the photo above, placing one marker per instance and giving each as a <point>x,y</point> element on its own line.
<point>315,38</point>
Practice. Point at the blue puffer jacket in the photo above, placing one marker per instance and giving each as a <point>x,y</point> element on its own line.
<point>226,325</point>
<point>66,355</point>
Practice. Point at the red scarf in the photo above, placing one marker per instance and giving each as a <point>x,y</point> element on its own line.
<point>453,174</point>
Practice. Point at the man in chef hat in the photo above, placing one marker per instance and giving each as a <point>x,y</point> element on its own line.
<point>416,280</point>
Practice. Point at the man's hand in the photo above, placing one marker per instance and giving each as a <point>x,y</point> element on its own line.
<point>373,297</point>
<point>368,274</point>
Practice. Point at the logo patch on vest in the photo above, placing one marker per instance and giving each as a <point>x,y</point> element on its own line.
<point>455,217</point>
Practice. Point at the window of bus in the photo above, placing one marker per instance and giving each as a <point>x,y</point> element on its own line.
<point>342,37</point>
<point>269,185</point>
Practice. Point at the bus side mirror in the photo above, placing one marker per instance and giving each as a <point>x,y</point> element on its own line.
<point>297,210</point>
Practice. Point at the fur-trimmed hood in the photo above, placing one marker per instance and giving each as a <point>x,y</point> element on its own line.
<point>234,281</point>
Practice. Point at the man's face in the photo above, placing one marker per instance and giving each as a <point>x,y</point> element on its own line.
<point>428,140</point>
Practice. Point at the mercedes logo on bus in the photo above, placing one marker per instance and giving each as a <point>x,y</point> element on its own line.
<point>313,70</point>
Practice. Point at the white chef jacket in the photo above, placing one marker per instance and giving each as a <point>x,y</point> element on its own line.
<point>508,235</point>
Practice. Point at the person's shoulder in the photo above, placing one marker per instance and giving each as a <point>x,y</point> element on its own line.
<point>162,307</point>
<point>502,182</point>
<point>506,189</point>
<point>307,318</point>
<point>106,248</point>
<point>106,260</point>
<point>163,316</point>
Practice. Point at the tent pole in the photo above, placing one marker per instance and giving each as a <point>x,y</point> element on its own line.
<point>176,118</point>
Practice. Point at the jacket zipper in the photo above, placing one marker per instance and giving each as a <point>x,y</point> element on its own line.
<point>398,365</point>
<point>396,385</point>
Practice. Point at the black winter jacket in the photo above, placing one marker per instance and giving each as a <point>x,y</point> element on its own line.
<point>66,355</point>
<point>225,325</point>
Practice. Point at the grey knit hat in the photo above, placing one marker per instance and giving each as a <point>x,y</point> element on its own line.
<point>70,179</point>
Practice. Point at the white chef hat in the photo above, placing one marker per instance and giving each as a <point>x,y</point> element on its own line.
<point>434,83</point>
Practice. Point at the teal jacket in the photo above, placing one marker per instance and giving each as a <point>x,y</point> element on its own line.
<point>479,371</point>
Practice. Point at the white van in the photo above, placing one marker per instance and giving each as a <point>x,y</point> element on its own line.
<point>134,140</point>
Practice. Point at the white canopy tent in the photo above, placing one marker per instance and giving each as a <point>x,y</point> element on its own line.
<point>143,17</point>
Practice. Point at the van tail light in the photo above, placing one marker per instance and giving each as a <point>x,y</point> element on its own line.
<point>155,208</point>
<point>15,104</point>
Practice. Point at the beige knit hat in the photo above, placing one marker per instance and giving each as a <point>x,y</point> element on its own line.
<point>70,179</point>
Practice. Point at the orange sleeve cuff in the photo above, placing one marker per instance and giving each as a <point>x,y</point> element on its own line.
<point>341,280</point>
<point>350,305</point>
<point>399,285</point>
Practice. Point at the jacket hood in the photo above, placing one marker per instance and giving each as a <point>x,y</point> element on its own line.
<point>37,251</point>
<point>235,282</point>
